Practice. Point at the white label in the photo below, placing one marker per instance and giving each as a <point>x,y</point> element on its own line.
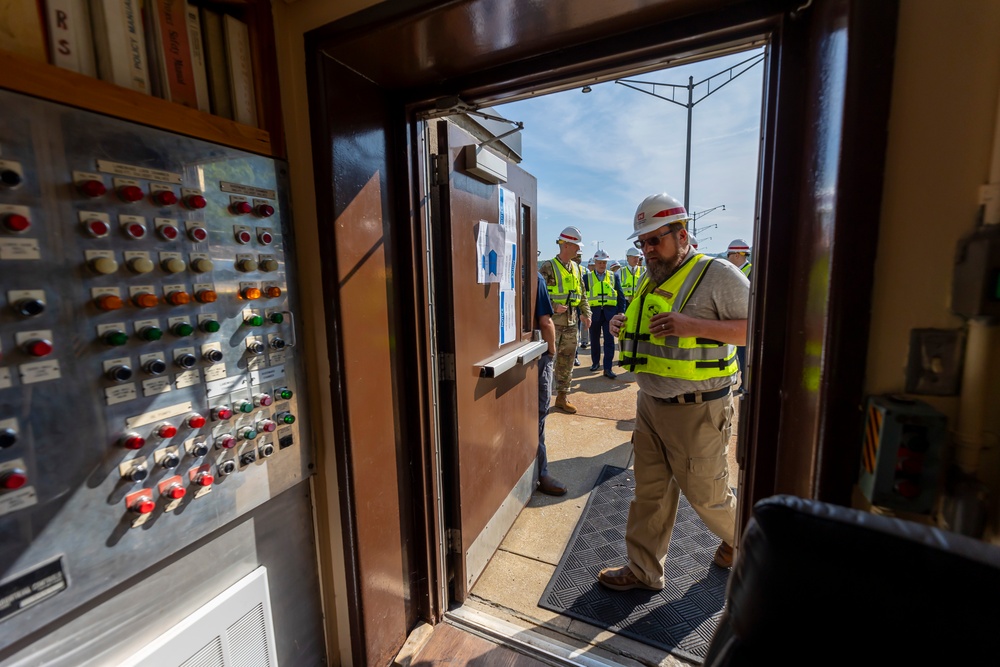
<point>226,385</point>
<point>159,415</point>
<point>146,358</point>
<point>23,337</point>
<point>188,378</point>
<point>5,380</point>
<point>167,289</point>
<point>120,169</point>
<point>15,500</point>
<point>119,394</point>
<point>121,182</point>
<point>91,255</point>
<point>131,219</point>
<point>200,255</point>
<point>114,326</point>
<point>20,210</point>
<point>79,176</point>
<point>267,374</point>
<point>13,296</point>
<point>276,358</point>
<point>141,289</point>
<point>141,324</point>
<point>256,363</point>
<point>164,256</point>
<point>156,187</point>
<point>19,249</point>
<point>101,291</point>
<point>40,371</point>
<point>155,386</point>
<point>94,215</point>
<point>121,361</point>
<point>215,372</point>
<point>250,190</point>
<point>135,254</point>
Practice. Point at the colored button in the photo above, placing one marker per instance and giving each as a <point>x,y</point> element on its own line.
<point>207,296</point>
<point>249,434</point>
<point>168,232</point>
<point>14,478</point>
<point>8,437</point>
<point>254,320</point>
<point>115,338</point>
<point>143,505</point>
<point>104,265</point>
<point>266,425</point>
<point>225,442</point>
<point>135,230</point>
<point>198,234</point>
<point>243,406</point>
<point>204,479</point>
<point>276,318</point>
<point>196,421</point>
<point>251,293</point>
<point>29,307</point>
<point>174,265</point>
<point>196,201</point>
<point>92,188</point>
<point>151,333</point>
<point>130,193</point>
<point>202,265</point>
<point>286,418</point>
<point>182,329</point>
<point>175,492</point>
<point>265,237</point>
<point>210,326</point>
<point>165,197</point>
<point>243,236</point>
<point>222,414</point>
<point>166,430</point>
<point>145,300</point>
<point>141,265</point>
<point>246,265</point>
<point>16,222</point>
<point>284,393</point>
<point>269,264</point>
<point>133,441</point>
<point>39,348</point>
<point>109,302</point>
<point>178,298</point>
<point>263,400</point>
<point>97,228</point>
<point>241,208</point>
<point>265,211</point>
<point>273,291</point>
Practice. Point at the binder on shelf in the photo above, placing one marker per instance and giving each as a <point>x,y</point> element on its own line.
<point>119,43</point>
<point>21,29</point>
<point>197,57</point>
<point>173,52</point>
<point>71,43</point>
<point>240,71</point>
<point>216,67</point>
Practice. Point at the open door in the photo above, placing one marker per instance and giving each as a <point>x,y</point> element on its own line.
<point>488,389</point>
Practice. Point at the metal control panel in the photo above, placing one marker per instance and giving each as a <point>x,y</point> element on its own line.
<point>149,376</point>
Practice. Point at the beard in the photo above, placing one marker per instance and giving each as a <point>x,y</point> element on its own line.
<point>660,269</point>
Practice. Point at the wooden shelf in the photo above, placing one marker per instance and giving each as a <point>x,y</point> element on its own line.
<point>26,76</point>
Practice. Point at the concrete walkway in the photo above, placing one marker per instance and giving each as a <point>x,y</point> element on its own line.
<point>579,446</point>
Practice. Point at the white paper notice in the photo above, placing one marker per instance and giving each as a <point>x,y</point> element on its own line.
<point>481,227</point>
<point>491,246</point>
<point>508,210</point>
<point>509,275</point>
<point>508,317</point>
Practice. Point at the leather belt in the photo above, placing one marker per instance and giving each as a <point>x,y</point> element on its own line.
<point>696,397</point>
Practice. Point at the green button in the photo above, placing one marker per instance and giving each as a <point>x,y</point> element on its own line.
<point>115,338</point>
<point>246,406</point>
<point>210,326</point>
<point>277,318</point>
<point>183,329</point>
<point>151,333</point>
<point>255,320</point>
<point>249,435</point>
<point>288,419</point>
<point>284,394</point>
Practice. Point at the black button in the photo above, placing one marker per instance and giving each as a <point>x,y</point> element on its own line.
<point>8,437</point>
<point>10,178</point>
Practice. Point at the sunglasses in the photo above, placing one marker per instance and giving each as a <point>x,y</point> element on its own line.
<point>652,240</point>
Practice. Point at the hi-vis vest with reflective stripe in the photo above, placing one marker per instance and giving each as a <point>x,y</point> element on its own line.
<point>670,356</point>
<point>568,289</point>
<point>602,292</point>
<point>746,269</point>
<point>631,279</point>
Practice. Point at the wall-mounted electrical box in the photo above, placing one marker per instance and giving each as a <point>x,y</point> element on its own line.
<point>975,287</point>
<point>485,165</point>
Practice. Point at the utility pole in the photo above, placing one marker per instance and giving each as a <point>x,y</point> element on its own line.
<point>699,214</point>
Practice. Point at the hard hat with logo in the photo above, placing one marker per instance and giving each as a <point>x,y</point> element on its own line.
<point>601,256</point>
<point>571,235</point>
<point>656,211</point>
<point>738,245</point>
<point>633,252</point>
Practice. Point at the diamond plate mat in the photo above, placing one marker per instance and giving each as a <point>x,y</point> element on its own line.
<point>679,619</point>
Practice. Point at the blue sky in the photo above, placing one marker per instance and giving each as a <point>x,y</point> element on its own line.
<point>598,155</point>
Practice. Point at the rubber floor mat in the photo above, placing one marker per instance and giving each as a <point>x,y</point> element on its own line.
<point>682,617</point>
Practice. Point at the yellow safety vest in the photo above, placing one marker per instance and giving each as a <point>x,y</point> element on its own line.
<point>670,356</point>
<point>568,289</point>
<point>602,292</point>
<point>746,269</point>
<point>631,279</point>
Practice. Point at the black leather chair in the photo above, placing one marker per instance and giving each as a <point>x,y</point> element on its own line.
<point>821,584</point>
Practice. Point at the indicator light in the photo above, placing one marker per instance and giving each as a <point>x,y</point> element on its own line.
<point>120,373</point>
<point>195,201</point>
<point>174,265</point>
<point>202,265</point>
<point>135,230</point>
<point>249,434</point>
<point>273,292</point>
<point>196,421</point>
<point>104,265</point>
<point>166,431</point>
<point>155,366</point>
<point>165,197</point>
<point>207,296</point>
<point>243,406</point>
<point>284,394</point>
<point>142,505</point>
<point>92,188</point>
<point>241,208</point>
<point>178,298</point>
<point>109,302</point>
<point>182,329</point>
<point>254,320</point>
<point>15,222</point>
<point>186,360</point>
<point>251,293</point>
<point>115,338</point>
<point>130,193</point>
<point>262,400</point>
<point>145,300</point>
<point>175,492</point>
<point>213,356</point>
<point>210,326</point>
<point>151,333</point>
<point>266,426</point>
<point>198,234</point>
<point>29,307</point>
<point>285,418</point>
<point>225,442</point>
<point>222,414</point>
<point>38,347</point>
<point>246,265</point>
<point>204,479</point>
<point>265,211</point>
<point>133,441</point>
<point>265,237</point>
<point>141,265</point>
<point>269,264</point>
<point>97,228</point>
<point>168,232</point>
<point>276,318</point>
<point>12,479</point>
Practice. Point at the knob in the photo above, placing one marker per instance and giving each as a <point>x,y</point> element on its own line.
<point>151,333</point>
<point>182,329</point>
<point>269,264</point>
<point>256,347</point>
<point>92,188</point>
<point>166,431</point>
<point>213,356</point>
<point>250,293</point>
<point>186,360</point>
<point>165,197</point>
<point>227,467</point>
<point>198,234</point>
<point>283,394</point>
<point>174,265</point>
<point>241,208</point>
<point>247,458</point>
<point>155,366</point>
<point>97,228</point>
<point>285,418</point>
<point>120,373</point>
<point>222,414</point>
<point>266,450</point>
<point>277,344</point>
<point>174,492</point>
<point>204,478</point>
<point>115,338</point>
<point>10,178</point>
<point>133,441</point>
<point>170,460</point>
<point>109,302</point>
<point>254,320</point>
<point>15,222</point>
<point>13,478</point>
<point>141,265</point>
<point>262,400</point>
<point>137,474</point>
<point>246,265</point>
<point>265,237</point>
<point>207,296</point>
<point>135,230</point>
<point>210,326</point>
<point>243,406</point>
<point>144,299</point>
<point>29,307</point>
<point>130,193</point>
<point>266,426</point>
<point>8,437</point>
<point>225,441</point>
<point>195,201</point>
<point>273,291</point>
<point>168,232</point>
<point>104,265</point>
<point>195,421</point>
<point>265,211</point>
<point>199,448</point>
<point>202,265</point>
<point>142,504</point>
<point>178,298</point>
<point>38,347</point>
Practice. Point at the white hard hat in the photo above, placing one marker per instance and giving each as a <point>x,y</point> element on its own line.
<point>656,211</point>
<point>738,245</point>
<point>694,242</point>
<point>591,262</point>
<point>615,264</point>
<point>571,235</point>
<point>601,256</point>
<point>633,252</point>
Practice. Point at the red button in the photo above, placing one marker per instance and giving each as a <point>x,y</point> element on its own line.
<point>196,421</point>
<point>93,188</point>
<point>198,233</point>
<point>265,238</point>
<point>165,198</point>
<point>98,228</point>
<point>166,431</point>
<point>130,193</point>
<point>135,230</point>
<point>175,492</point>
<point>133,441</point>
<point>16,222</point>
<point>196,201</point>
<point>243,236</point>
<point>223,414</point>
<point>143,505</point>
<point>227,441</point>
<point>169,232</point>
<point>241,207</point>
<point>265,210</point>
<point>13,479</point>
<point>39,348</point>
<point>204,479</point>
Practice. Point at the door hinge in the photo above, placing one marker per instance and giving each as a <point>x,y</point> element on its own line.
<point>446,367</point>
<point>454,540</point>
<point>440,169</point>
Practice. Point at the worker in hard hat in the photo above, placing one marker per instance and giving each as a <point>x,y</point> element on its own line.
<point>631,275</point>
<point>679,336</point>
<point>694,241</point>
<point>738,253</point>
<point>584,331</point>
<point>604,294</point>
<point>565,284</point>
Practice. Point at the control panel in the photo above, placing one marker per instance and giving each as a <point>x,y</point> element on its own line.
<point>149,378</point>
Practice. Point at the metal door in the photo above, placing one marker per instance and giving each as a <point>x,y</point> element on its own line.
<point>488,388</point>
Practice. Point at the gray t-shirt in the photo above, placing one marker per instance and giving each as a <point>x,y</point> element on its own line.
<point>724,294</point>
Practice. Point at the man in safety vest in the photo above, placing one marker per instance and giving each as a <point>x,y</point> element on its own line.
<point>679,336</point>
<point>565,285</point>
<point>737,253</point>
<point>604,294</point>
<point>631,275</point>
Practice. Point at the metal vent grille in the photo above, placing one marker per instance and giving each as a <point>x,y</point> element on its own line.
<point>209,655</point>
<point>248,640</point>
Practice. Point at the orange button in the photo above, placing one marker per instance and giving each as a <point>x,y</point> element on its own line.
<point>251,293</point>
<point>207,296</point>
<point>145,300</point>
<point>109,302</point>
<point>273,291</point>
<point>179,298</point>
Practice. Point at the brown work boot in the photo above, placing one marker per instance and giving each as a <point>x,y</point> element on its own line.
<point>564,404</point>
<point>621,579</point>
<point>724,556</point>
<point>551,486</point>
